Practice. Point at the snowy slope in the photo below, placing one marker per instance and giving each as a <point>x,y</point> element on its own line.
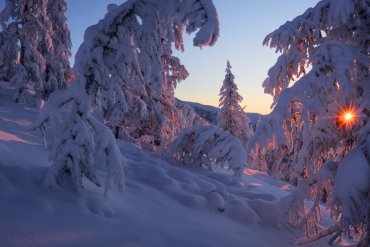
<point>210,113</point>
<point>162,205</point>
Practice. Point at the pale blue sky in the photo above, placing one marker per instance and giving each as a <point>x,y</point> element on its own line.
<point>244,24</point>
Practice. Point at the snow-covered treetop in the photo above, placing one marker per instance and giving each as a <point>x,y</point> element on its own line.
<point>231,116</point>
<point>229,96</point>
<point>330,24</point>
<point>331,38</point>
<point>126,62</point>
<point>132,34</point>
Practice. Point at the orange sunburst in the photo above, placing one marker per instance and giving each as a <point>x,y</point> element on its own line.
<point>347,117</point>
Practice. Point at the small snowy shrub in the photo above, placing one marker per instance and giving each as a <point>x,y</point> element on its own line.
<point>188,117</point>
<point>207,146</point>
<point>81,143</point>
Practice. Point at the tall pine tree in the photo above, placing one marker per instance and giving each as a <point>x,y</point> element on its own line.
<point>231,116</point>
<point>37,46</point>
<point>58,72</point>
<point>9,50</point>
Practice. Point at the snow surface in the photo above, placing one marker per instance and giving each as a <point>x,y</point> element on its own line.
<point>162,205</point>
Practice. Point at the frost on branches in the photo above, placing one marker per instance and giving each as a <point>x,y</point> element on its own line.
<point>128,68</point>
<point>209,147</point>
<point>34,53</point>
<point>231,116</point>
<point>332,38</point>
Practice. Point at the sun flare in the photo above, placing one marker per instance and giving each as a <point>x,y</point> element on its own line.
<point>347,117</point>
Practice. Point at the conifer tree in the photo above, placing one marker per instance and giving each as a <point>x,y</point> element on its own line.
<point>231,116</point>
<point>8,51</point>
<point>58,73</point>
<point>38,52</point>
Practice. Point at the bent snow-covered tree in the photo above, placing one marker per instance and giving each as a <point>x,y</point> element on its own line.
<point>36,53</point>
<point>231,116</point>
<point>207,146</point>
<point>127,63</point>
<point>333,38</point>
<point>120,74</point>
<point>81,143</point>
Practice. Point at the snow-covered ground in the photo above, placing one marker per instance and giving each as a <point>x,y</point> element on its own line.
<point>162,205</point>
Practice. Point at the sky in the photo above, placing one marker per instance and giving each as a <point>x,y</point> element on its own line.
<point>244,24</point>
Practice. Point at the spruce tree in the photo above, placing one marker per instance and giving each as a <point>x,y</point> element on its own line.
<point>37,51</point>
<point>9,50</point>
<point>231,116</point>
<point>58,72</point>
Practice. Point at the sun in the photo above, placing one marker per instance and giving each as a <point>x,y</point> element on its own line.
<point>347,117</point>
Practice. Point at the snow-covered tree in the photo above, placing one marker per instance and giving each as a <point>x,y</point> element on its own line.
<point>58,73</point>
<point>207,146</point>
<point>39,50</point>
<point>81,143</point>
<point>119,75</point>
<point>34,39</point>
<point>231,116</point>
<point>9,48</point>
<point>333,129</point>
<point>128,66</point>
<point>8,51</point>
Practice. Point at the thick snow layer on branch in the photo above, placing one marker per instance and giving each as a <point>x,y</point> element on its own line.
<point>352,185</point>
<point>128,68</point>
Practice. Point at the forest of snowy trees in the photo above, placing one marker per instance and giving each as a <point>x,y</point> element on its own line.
<point>122,87</point>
